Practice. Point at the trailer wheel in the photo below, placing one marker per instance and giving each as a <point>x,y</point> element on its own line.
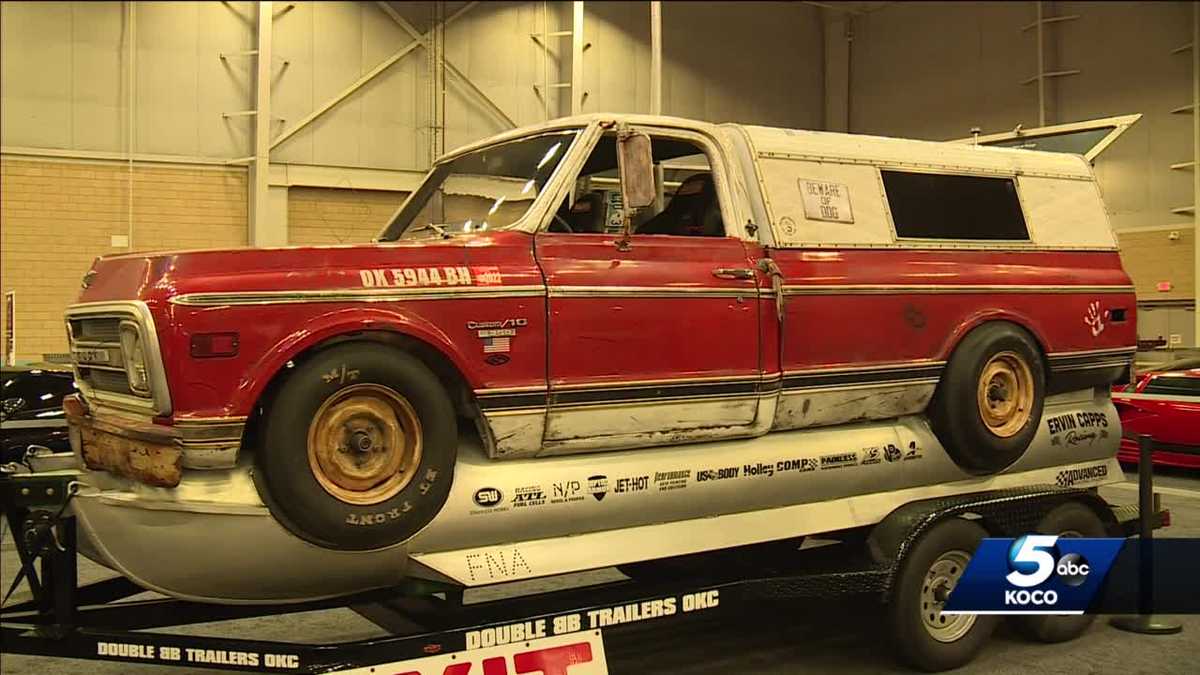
<point>358,448</point>
<point>923,637</point>
<point>1068,520</point>
<point>989,401</point>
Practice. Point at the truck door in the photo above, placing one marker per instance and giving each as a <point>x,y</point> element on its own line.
<point>653,339</point>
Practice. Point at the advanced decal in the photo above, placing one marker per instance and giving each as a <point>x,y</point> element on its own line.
<point>1088,474</point>
<point>1077,429</point>
<point>419,277</point>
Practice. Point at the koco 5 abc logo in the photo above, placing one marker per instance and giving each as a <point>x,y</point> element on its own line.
<point>1035,559</point>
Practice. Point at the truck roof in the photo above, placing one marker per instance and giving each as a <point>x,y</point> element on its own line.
<point>851,148</point>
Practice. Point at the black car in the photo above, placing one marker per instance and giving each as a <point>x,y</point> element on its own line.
<point>31,409</point>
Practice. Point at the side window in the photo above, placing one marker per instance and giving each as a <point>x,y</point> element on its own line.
<point>946,206</point>
<point>1173,385</point>
<point>689,204</point>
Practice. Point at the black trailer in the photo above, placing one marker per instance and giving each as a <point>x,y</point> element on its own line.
<point>423,618</point>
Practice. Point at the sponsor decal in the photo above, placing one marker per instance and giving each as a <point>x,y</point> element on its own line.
<point>913,452</point>
<point>718,474</point>
<point>488,497</point>
<point>839,460</point>
<point>127,651</point>
<point>759,469</point>
<point>891,453</point>
<point>1094,318</point>
<point>566,491</point>
<point>1088,474</point>
<point>532,495</point>
<point>872,456</point>
<point>632,484</point>
<point>497,565</point>
<point>497,336</point>
<point>598,486</point>
<point>800,464</point>
<point>1078,428</point>
<point>671,480</point>
<point>497,359</point>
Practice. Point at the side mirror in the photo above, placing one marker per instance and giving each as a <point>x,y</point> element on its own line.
<point>636,164</point>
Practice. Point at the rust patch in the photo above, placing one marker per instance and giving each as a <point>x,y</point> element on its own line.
<point>149,463</point>
<point>914,317</point>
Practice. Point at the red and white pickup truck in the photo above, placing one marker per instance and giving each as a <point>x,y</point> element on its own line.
<point>545,331</point>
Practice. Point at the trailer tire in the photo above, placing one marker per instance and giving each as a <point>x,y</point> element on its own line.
<point>358,448</point>
<point>923,637</point>
<point>988,403</point>
<point>1072,519</point>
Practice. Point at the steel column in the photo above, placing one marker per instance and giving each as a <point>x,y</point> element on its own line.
<point>261,231</point>
<point>655,57</point>
<point>1196,172</point>
<point>577,92</point>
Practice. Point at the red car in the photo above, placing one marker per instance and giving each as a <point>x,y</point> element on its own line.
<point>1166,405</point>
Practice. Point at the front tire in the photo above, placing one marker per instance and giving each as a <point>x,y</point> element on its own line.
<point>923,637</point>
<point>989,401</point>
<point>358,448</point>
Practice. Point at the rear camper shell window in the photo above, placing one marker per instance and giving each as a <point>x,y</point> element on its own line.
<point>954,206</point>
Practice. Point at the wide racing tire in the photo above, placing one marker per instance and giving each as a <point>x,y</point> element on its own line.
<point>988,404</point>
<point>922,636</point>
<point>358,448</point>
<point>1071,519</point>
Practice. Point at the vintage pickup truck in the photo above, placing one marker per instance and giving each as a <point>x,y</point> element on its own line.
<point>597,341</point>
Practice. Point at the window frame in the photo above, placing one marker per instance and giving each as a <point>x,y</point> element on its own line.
<point>716,161</point>
<point>949,242</point>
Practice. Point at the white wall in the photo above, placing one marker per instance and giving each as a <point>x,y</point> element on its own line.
<point>934,70</point>
<point>65,73</point>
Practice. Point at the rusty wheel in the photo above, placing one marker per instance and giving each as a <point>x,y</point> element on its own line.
<point>357,450</point>
<point>989,399</point>
<point>364,445</point>
<point>1005,394</point>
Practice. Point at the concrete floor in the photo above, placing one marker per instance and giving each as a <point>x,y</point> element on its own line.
<point>796,637</point>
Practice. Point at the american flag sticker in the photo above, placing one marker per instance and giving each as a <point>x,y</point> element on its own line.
<point>496,345</point>
<point>497,340</point>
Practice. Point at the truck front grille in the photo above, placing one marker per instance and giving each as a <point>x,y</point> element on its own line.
<point>102,329</point>
<point>107,380</point>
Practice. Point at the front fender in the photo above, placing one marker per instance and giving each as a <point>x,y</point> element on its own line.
<point>329,325</point>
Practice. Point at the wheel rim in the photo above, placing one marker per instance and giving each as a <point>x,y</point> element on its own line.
<point>364,444</point>
<point>940,580</point>
<point>1005,394</point>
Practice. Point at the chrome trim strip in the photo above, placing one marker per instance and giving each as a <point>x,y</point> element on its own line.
<point>1090,352</point>
<point>664,400</point>
<point>56,423</point>
<point>621,384</point>
<point>355,295</point>
<point>880,384</point>
<point>906,289</point>
<point>651,291</point>
<point>1095,365</point>
<point>892,365</point>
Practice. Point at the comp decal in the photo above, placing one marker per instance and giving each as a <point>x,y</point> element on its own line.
<point>416,277</point>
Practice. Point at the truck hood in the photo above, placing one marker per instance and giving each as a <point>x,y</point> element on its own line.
<point>158,276</point>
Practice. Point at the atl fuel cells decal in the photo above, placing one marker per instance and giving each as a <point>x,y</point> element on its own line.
<point>415,277</point>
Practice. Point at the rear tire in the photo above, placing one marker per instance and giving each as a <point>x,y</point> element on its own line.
<point>989,401</point>
<point>922,636</point>
<point>358,448</point>
<point>1070,519</point>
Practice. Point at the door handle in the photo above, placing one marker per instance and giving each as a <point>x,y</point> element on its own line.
<point>733,273</point>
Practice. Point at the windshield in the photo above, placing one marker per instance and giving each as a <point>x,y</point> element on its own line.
<point>489,189</point>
